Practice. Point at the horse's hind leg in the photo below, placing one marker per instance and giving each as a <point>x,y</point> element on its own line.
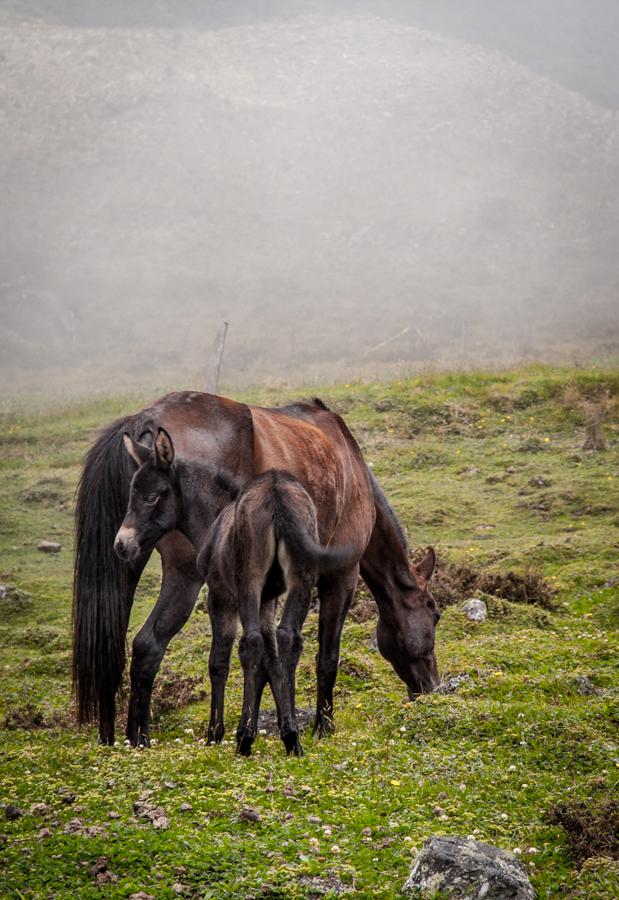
<point>336,595</point>
<point>251,652</point>
<point>268,609</point>
<point>179,590</point>
<point>290,644</point>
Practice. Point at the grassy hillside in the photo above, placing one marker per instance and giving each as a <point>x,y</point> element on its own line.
<point>488,468</point>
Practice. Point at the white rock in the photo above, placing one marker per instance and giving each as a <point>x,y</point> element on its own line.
<point>475,610</point>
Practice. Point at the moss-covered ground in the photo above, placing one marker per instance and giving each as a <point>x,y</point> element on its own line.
<point>487,467</point>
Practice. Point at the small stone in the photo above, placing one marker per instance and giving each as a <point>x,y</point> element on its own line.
<point>475,610</point>
<point>186,807</point>
<point>38,809</point>
<point>441,796</point>
<point>12,812</point>
<point>170,785</point>
<point>178,888</point>
<point>68,797</point>
<point>113,815</point>
<point>100,865</point>
<point>438,811</point>
<point>453,684</point>
<point>49,546</point>
<point>249,814</point>
<point>586,687</point>
<point>141,895</point>
<point>44,833</point>
<point>314,820</point>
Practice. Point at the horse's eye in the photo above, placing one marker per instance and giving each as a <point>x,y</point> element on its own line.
<point>151,499</point>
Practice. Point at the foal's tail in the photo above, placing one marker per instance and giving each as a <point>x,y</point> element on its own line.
<point>302,547</point>
<point>101,589</point>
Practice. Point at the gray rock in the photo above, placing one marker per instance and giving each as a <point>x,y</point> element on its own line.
<point>475,610</point>
<point>463,868</point>
<point>585,686</point>
<point>249,814</point>
<point>453,684</point>
<point>49,547</point>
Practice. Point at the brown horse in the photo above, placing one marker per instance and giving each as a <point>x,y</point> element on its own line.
<point>218,441</point>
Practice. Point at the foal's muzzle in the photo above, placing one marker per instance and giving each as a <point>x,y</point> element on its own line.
<point>126,545</point>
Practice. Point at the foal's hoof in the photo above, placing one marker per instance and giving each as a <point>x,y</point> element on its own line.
<point>243,745</point>
<point>215,735</point>
<point>292,743</point>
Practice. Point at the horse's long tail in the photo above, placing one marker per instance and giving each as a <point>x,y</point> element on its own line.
<point>290,528</point>
<point>101,587</point>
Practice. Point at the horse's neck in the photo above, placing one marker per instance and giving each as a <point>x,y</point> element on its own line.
<point>385,565</point>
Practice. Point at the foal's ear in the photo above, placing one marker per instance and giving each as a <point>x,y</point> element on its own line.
<point>427,564</point>
<point>164,449</point>
<point>138,452</point>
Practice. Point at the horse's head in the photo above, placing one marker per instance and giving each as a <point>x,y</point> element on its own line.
<point>154,502</point>
<point>405,632</point>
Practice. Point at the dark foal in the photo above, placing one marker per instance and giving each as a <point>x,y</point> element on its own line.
<point>261,546</point>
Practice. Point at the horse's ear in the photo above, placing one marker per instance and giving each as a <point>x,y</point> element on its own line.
<point>138,452</point>
<point>164,449</point>
<point>427,565</point>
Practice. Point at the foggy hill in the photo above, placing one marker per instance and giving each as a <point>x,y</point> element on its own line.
<point>573,42</point>
<point>322,182</point>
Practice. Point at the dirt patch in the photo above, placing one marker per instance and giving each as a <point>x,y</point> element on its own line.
<point>41,495</point>
<point>30,718</point>
<point>267,721</point>
<point>591,826</point>
<point>174,691</point>
<point>453,583</point>
<point>364,610</point>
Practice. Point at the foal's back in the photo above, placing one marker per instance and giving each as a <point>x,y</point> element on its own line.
<point>265,540</point>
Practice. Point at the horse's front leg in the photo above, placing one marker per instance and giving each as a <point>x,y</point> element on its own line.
<point>290,645</point>
<point>336,595</point>
<point>251,652</point>
<point>179,589</point>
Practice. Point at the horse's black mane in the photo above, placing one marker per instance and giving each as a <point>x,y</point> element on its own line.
<point>383,503</point>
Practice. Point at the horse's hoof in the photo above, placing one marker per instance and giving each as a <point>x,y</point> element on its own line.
<point>292,743</point>
<point>324,727</point>
<point>143,742</point>
<point>243,745</point>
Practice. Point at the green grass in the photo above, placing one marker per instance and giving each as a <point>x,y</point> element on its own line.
<point>485,466</point>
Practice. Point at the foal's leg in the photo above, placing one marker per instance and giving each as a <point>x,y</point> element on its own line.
<point>224,620</point>
<point>290,644</point>
<point>336,594</point>
<point>179,590</point>
<point>268,609</point>
<point>251,652</point>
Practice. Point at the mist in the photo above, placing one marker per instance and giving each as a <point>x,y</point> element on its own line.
<point>357,188</point>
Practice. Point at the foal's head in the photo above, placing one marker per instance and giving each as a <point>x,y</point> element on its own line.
<point>405,631</point>
<point>154,501</point>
